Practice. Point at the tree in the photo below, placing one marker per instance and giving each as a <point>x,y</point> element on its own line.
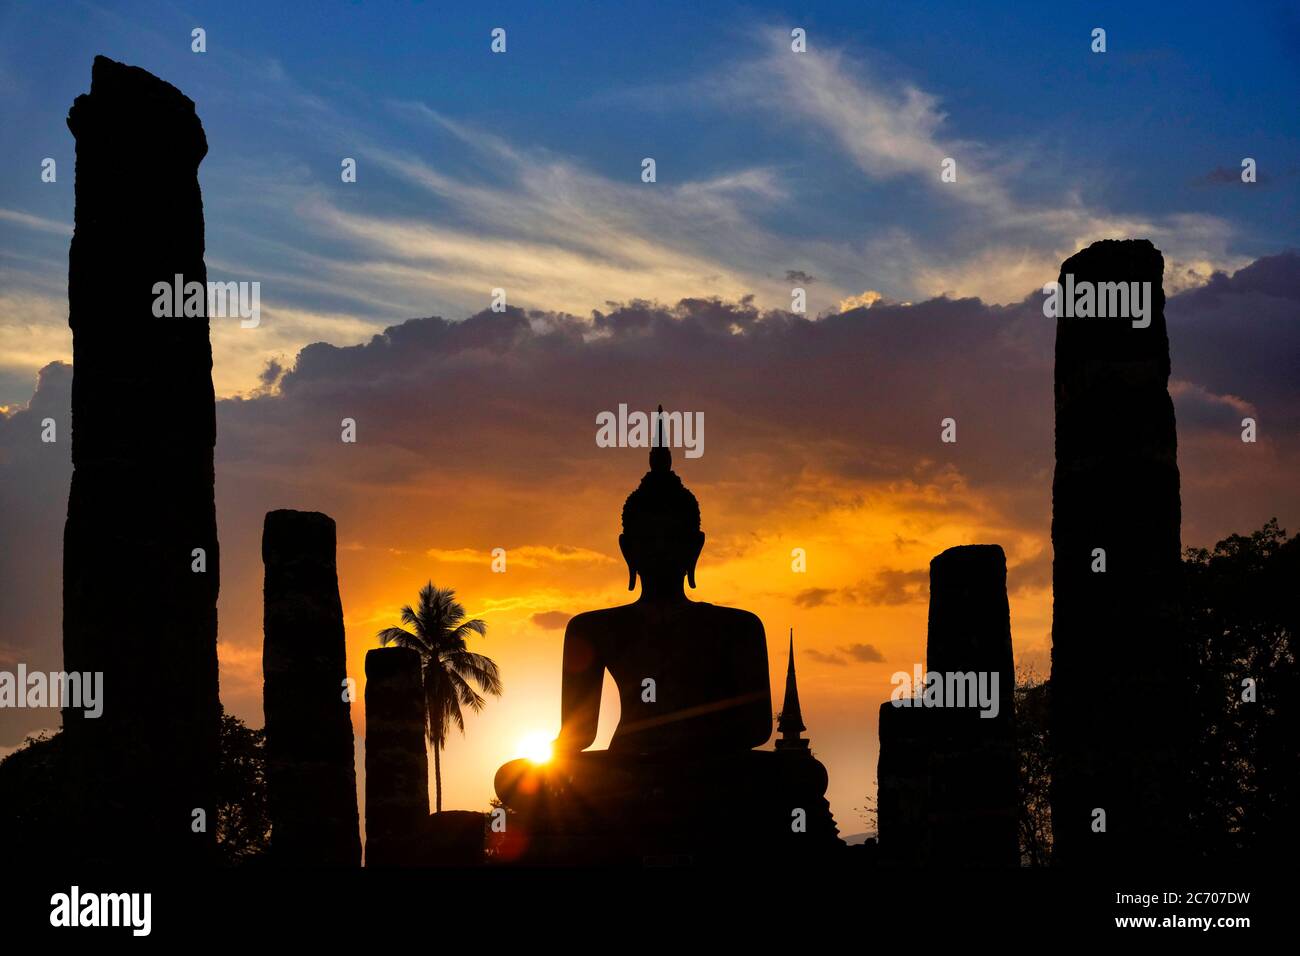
<point>1034,815</point>
<point>35,782</point>
<point>243,815</point>
<point>1242,610</point>
<point>437,629</point>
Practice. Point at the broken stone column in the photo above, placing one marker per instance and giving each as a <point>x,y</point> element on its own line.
<point>974,793</point>
<point>397,763</point>
<point>903,785</point>
<point>310,771</point>
<point>140,556</point>
<point>1118,678</point>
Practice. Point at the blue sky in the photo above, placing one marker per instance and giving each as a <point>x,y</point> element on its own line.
<point>521,170</point>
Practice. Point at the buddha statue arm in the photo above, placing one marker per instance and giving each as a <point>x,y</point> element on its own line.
<point>583,676</point>
<point>755,688</point>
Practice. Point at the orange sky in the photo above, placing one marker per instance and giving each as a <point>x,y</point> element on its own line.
<point>868,547</point>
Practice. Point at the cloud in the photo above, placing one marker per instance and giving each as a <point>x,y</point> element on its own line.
<point>822,657</point>
<point>864,301</point>
<point>551,620</point>
<point>1225,176</point>
<point>480,433</point>
<point>995,240</point>
<point>528,556</point>
<point>841,657</point>
<point>866,653</point>
<point>892,586</point>
<point>813,597</point>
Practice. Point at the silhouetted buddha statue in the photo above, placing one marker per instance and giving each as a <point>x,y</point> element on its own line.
<point>695,699</point>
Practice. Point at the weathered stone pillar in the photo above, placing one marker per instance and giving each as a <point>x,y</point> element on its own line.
<point>1118,677</point>
<point>140,557</point>
<point>397,763</point>
<point>974,793</point>
<point>310,772</point>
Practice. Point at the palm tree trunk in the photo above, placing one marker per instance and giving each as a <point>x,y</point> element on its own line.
<point>437,775</point>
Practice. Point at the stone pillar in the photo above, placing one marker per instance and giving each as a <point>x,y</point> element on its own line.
<point>1118,688</point>
<point>397,763</point>
<point>974,792</point>
<point>140,556</point>
<point>310,771</point>
<point>903,785</point>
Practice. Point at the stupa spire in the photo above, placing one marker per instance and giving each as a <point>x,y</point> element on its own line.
<point>790,724</point>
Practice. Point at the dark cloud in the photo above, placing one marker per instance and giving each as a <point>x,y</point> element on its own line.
<point>271,373</point>
<point>551,620</point>
<point>842,656</point>
<point>823,658</point>
<point>799,276</point>
<point>891,586</point>
<point>34,477</point>
<point>1224,175</point>
<point>507,402</point>
<point>813,597</point>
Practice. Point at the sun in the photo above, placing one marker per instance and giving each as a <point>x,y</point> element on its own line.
<point>536,747</point>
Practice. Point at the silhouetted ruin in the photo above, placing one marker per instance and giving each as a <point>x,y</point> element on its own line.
<point>682,752</point>
<point>1118,680</point>
<point>140,556</point>
<point>946,777</point>
<point>397,763</point>
<point>903,784</point>
<point>973,792</point>
<point>310,770</point>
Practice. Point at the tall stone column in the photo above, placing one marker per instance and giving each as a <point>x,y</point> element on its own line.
<point>397,763</point>
<point>1118,691</point>
<point>310,770</point>
<point>974,768</point>
<point>140,556</point>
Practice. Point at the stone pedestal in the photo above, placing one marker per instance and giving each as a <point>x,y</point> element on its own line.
<point>602,808</point>
<point>141,500</point>
<point>310,770</point>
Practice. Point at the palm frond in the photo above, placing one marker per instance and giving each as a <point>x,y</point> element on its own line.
<point>482,670</point>
<point>398,636</point>
<point>466,695</point>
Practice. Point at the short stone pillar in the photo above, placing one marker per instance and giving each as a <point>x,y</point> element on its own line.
<point>310,769</point>
<point>397,762</point>
<point>974,788</point>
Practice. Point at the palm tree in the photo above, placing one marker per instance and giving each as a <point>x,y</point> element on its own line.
<point>437,628</point>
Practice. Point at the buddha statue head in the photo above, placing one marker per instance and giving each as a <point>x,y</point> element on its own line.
<point>661,539</point>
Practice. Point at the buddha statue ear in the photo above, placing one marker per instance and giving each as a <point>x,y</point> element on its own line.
<point>631,568</point>
<point>695,557</point>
